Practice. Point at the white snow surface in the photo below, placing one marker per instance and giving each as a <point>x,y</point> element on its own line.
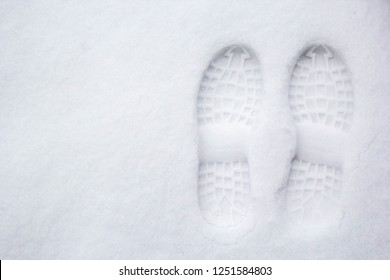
<point>98,126</point>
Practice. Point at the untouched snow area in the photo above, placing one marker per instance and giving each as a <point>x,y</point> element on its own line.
<point>99,133</point>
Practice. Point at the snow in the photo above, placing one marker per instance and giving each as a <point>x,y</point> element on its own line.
<point>98,126</point>
<point>221,142</point>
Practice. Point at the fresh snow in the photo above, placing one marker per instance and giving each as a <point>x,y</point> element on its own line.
<point>99,133</point>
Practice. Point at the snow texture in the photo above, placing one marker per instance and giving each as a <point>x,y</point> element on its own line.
<point>100,144</point>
